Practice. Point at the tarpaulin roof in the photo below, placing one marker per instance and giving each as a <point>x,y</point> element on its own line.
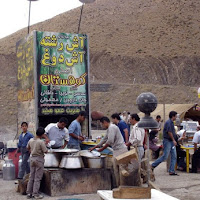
<point>185,110</point>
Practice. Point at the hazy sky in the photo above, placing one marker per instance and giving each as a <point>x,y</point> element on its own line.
<point>14,13</point>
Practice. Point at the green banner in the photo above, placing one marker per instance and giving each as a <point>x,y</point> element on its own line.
<point>62,61</point>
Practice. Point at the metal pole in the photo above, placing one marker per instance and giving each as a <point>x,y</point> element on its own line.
<point>164,112</point>
<point>29,15</point>
<point>89,97</point>
<point>80,18</point>
<point>148,168</point>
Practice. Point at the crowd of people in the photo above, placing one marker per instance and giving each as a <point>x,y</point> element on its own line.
<point>35,147</point>
<point>122,134</point>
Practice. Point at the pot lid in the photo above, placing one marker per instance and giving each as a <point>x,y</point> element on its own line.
<point>87,153</point>
<point>87,1</point>
<point>63,150</point>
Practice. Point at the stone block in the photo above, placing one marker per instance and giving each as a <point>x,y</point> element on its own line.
<point>60,182</point>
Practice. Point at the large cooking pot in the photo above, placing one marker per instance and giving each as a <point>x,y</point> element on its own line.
<point>93,159</point>
<point>71,162</point>
<point>51,159</point>
<point>94,162</point>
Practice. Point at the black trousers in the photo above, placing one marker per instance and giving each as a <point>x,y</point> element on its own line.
<point>195,160</point>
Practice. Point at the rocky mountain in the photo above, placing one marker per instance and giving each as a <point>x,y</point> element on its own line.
<point>135,46</point>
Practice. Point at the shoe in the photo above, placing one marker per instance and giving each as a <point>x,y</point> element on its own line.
<point>29,196</point>
<point>173,174</point>
<point>38,196</point>
<point>180,169</point>
<point>192,171</point>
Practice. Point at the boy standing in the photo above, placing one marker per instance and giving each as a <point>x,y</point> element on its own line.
<point>37,148</point>
<point>24,138</point>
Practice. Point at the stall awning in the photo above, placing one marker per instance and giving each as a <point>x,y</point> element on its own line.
<point>185,110</point>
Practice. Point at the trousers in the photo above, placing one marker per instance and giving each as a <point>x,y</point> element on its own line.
<point>169,148</point>
<point>195,160</point>
<point>140,151</point>
<point>25,165</point>
<point>36,173</point>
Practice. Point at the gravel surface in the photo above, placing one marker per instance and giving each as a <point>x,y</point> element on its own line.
<point>184,187</point>
<point>8,192</point>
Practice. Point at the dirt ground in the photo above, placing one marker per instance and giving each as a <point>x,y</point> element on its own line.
<point>184,187</point>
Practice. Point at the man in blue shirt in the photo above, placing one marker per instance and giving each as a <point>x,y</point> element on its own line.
<point>24,138</point>
<point>75,137</point>
<point>122,126</point>
<point>169,143</point>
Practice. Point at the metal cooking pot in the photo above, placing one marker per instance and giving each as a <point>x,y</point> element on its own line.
<point>71,162</point>
<point>94,162</point>
<point>8,170</point>
<point>51,159</point>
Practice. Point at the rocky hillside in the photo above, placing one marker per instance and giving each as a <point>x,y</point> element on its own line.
<point>135,45</point>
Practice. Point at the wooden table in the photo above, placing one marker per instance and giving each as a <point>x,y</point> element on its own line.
<point>155,195</point>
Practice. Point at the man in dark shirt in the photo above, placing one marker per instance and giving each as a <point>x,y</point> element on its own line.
<point>122,126</point>
<point>169,144</point>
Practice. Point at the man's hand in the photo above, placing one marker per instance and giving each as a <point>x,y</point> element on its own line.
<point>128,144</point>
<point>81,138</point>
<point>145,146</point>
<point>92,148</point>
<point>101,149</point>
<point>175,143</point>
<point>47,140</point>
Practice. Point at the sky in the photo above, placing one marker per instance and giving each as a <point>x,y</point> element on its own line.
<point>14,13</point>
